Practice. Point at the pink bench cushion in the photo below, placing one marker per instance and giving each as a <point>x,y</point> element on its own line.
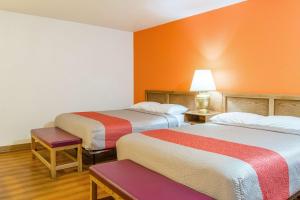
<point>55,137</point>
<point>143,184</point>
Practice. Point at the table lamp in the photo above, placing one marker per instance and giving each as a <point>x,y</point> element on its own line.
<point>203,82</point>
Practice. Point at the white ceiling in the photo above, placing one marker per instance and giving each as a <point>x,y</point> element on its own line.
<point>128,15</point>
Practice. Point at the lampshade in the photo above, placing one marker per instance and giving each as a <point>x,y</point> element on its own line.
<point>203,81</point>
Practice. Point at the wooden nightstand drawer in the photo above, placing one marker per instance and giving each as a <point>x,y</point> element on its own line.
<point>195,117</point>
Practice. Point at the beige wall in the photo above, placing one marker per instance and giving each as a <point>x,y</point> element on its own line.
<point>49,66</point>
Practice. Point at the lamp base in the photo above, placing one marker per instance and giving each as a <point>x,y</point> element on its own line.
<point>202,102</point>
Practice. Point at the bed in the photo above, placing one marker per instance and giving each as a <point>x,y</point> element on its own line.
<point>94,134</point>
<point>226,161</point>
<point>100,130</point>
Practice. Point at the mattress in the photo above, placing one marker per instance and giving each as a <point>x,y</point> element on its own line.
<point>215,174</point>
<point>93,132</point>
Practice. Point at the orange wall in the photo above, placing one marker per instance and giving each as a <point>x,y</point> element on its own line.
<point>251,47</point>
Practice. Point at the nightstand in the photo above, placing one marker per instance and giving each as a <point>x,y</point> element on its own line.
<point>195,117</point>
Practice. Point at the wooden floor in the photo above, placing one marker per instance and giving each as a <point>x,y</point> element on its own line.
<point>23,178</point>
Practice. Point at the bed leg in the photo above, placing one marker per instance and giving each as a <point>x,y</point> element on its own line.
<point>94,158</point>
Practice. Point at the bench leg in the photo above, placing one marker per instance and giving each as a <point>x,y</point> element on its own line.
<point>53,163</point>
<point>33,146</point>
<point>79,158</point>
<point>93,190</point>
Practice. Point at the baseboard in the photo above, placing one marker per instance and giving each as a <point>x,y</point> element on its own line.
<point>15,147</point>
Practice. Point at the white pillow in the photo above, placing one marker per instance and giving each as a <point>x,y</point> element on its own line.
<point>145,105</point>
<point>282,122</point>
<point>172,109</point>
<point>237,118</point>
<point>285,124</point>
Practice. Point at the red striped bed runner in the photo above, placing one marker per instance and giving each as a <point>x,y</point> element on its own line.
<point>114,127</point>
<point>271,168</point>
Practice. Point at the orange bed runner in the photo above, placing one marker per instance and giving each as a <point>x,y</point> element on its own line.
<point>114,127</point>
<point>271,168</point>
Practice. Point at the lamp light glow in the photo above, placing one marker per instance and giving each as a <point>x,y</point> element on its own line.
<point>203,81</point>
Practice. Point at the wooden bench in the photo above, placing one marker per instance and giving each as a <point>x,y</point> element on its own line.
<point>55,139</point>
<point>128,180</point>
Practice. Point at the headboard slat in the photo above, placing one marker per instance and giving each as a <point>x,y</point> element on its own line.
<point>254,105</point>
<point>287,107</point>
<point>172,97</point>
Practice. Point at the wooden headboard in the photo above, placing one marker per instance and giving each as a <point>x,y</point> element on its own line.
<point>186,99</point>
<point>232,102</point>
<point>262,104</point>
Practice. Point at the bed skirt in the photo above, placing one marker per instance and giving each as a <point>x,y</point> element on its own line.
<point>295,196</point>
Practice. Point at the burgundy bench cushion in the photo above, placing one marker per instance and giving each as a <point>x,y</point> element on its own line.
<point>138,182</point>
<point>55,137</point>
